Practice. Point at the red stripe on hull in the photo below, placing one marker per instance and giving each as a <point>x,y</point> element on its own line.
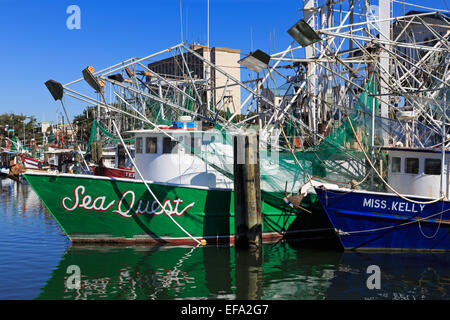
<point>266,238</point>
<point>113,172</point>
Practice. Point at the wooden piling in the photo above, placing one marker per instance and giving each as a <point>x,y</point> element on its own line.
<point>248,274</point>
<point>46,148</point>
<point>247,192</point>
<point>96,152</point>
<point>121,156</point>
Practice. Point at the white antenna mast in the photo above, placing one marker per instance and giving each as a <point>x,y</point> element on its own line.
<point>207,26</point>
<point>181,22</point>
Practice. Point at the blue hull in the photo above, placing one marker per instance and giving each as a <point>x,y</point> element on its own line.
<point>386,221</point>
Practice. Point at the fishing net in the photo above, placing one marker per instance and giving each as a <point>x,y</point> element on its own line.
<point>14,144</point>
<point>337,158</point>
<point>108,138</point>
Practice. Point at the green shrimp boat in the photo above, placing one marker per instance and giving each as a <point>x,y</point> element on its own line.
<point>188,194</point>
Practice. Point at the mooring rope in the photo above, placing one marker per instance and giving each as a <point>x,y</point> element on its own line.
<point>342,193</point>
<point>438,228</point>
<point>340,232</point>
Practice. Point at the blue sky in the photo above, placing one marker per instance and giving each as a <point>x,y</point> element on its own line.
<point>36,44</point>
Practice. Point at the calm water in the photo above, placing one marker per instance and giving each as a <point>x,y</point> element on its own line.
<point>35,256</point>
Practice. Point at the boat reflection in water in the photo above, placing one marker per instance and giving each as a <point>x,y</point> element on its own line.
<point>403,276</point>
<point>280,271</point>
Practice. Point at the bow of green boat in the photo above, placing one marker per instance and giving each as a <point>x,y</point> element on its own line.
<point>101,209</point>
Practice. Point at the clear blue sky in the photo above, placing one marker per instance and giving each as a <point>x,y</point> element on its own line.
<point>36,44</point>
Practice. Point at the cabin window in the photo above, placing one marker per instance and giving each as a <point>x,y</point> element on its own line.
<point>151,145</point>
<point>396,165</point>
<point>138,145</point>
<point>433,166</point>
<point>169,145</point>
<point>194,143</point>
<point>412,165</point>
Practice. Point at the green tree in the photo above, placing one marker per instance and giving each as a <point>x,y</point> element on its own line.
<point>23,126</point>
<point>83,123</point>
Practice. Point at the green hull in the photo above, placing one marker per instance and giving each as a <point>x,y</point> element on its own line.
<point>119,210</point>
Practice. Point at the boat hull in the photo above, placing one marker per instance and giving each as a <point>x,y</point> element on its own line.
<point>365,221</point>
<point>102,209</point>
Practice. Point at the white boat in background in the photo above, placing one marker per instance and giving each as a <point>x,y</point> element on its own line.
<point>30,163</point>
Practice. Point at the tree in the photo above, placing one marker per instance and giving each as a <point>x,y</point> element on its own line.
<point>12,123</point>
<point>83,123</point>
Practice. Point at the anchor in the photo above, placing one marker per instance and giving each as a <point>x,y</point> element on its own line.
<point>294,200</point>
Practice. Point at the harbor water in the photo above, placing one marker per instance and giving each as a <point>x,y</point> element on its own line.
<point>37,261</point>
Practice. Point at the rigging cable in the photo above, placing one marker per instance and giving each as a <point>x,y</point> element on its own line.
<point>379,175</point>
<point>143,180</point>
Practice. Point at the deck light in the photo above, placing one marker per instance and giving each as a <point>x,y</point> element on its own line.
<point>97,85</point>
<point>256,61</point>
<point>303,33</point>
<point>55,88</point>
<point>129,72</point>
<point>116,77</point>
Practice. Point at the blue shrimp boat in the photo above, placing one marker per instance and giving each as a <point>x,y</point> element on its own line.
<point>416,216</point>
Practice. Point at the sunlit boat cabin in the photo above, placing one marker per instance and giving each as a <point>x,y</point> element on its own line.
<point>163,159</point>
<point>415,171</point>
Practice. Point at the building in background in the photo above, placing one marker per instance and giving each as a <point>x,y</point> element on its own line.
<point>44,126</point>
<point>223,95</point>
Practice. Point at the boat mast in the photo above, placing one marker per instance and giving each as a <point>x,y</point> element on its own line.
<point>385,34</point>
<point>443,143</point>
<point>372,149</point>
<point>309,15</point>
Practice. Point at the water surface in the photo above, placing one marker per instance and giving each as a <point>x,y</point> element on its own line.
<point>35,257</point>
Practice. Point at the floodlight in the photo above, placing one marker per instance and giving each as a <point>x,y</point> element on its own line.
<point>55,88</point>
<point>116,77</point>
<point>303,33</point>
<point>129,72</point>
<point>97,85</point>
<point>256,61</point>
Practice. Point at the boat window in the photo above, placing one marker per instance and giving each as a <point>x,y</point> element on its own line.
<point>195,144</point>
<point>151,145</point>
<point>396,165</point>
<point>138,145</point>
<point>412,165</point>
<point>433,166</point>
<point>169,145</point>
